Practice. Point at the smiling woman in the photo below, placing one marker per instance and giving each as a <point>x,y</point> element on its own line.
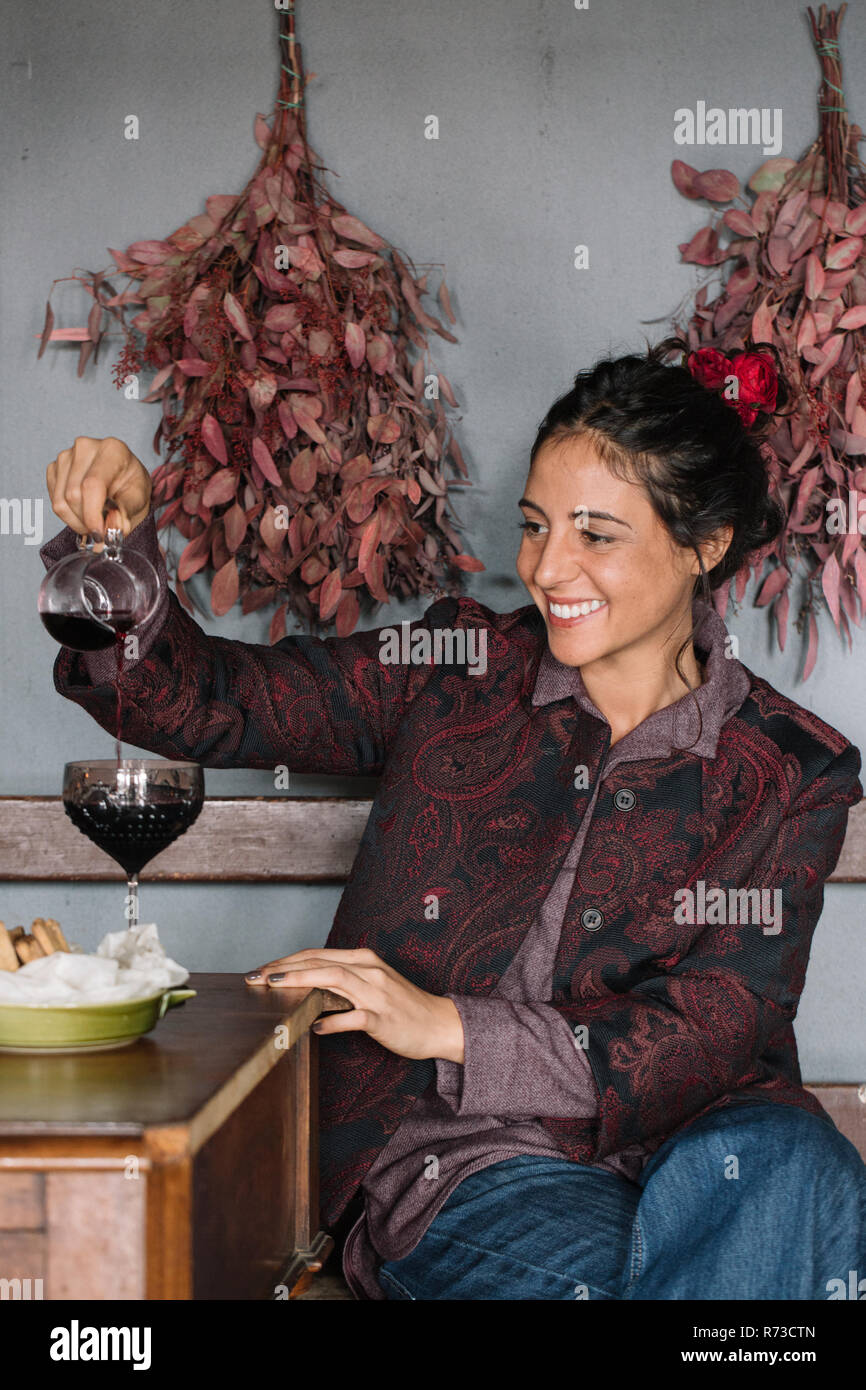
<point>554,1037</point>
<point>644,491</point>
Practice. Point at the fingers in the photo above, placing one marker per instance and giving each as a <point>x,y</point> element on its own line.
<point>81,480</point>
<point>80,459</point>
<point>95,472</point>
<point>259,975</point>
<point>343,1023</point>
<point>118,476</point>
<point>349,983</point>
<point>360,956</point>
<point>65,478</point>
<point>58,471</point>
<point>93,492</point>
<point>56,477</point>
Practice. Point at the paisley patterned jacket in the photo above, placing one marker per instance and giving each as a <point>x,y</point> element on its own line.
<point>477,804</point>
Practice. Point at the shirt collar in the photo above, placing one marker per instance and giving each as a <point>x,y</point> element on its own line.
<point>676,727</point>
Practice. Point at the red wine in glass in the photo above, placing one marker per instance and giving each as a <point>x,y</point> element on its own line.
<point>132,809</point>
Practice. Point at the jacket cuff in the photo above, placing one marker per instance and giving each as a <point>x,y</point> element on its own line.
<point>519,1060</point>
<point>100,668</point>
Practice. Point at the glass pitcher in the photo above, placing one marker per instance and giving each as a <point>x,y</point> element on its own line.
<point>88,599</point>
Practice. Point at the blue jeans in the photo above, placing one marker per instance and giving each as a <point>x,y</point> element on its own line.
<point>756,1201</point>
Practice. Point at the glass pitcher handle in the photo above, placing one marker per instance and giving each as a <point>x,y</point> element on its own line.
<point>113,543</point>
<point>113,535</point>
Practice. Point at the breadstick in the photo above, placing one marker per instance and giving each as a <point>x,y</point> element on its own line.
<point>8,958</point>
<point>52,926</point>
<point>44,935</point>
<point>37,932</point>
<point>28,949</point>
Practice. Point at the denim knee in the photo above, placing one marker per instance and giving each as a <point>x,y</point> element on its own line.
<point>797,1153</point>
<point>760,1200</point>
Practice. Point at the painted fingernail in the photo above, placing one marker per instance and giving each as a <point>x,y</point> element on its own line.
<point>254,975</point>
<point>275,979</point>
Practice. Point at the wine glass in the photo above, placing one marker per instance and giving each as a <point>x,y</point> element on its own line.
<point>132,808</point>
<point>88,600</point>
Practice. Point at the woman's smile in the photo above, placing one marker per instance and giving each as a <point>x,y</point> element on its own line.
<point>569,614</point>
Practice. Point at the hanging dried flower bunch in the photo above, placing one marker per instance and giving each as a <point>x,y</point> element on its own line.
<point>798,281</point>
<point>306,456</point>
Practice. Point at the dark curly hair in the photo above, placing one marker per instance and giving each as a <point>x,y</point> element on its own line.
<point>701,467</point>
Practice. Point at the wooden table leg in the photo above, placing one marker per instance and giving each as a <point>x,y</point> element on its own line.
<point>312,1245</point>
<point>169,1218</point>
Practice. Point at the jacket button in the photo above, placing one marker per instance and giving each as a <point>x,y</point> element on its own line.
<point>591,918</point>
<point>624,799</point>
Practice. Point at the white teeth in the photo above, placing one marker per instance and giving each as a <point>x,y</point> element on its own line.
<point>575,610</point>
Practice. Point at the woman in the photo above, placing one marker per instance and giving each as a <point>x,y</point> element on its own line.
<point>576,931</point>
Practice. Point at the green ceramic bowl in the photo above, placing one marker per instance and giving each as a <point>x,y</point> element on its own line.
<point>84,1027</point>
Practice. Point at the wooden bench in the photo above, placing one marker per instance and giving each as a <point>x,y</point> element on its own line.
<point>288,839</point>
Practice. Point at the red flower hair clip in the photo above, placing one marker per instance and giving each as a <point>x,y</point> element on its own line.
<point>757,379</point>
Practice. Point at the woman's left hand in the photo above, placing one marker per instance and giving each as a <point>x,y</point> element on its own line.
<point>405,1019</point>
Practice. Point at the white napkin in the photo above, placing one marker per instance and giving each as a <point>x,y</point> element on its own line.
<point>129,964</point>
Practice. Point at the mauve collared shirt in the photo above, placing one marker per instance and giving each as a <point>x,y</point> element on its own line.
<point>515,1047</point>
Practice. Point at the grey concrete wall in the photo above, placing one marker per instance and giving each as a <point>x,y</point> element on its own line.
<point>556,128</point>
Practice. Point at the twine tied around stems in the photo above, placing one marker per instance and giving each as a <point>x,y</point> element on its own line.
<point>294,73</point>
<point>290,71</point>
<point>834,136</point>
<point>830,48</point>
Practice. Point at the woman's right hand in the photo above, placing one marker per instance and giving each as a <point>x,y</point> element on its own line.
<point>80,480</point>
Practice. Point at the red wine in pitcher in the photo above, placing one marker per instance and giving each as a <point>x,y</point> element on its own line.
<point>84,634</point>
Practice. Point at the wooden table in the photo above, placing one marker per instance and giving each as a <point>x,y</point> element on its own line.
<point>182,1167</point>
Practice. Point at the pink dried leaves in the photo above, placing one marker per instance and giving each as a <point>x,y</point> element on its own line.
<point>305,460</point>
<point>798,280</point>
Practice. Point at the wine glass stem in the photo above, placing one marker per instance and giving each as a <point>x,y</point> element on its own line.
<point>132,901</point>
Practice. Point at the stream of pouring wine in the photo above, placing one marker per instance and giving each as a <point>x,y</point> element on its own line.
<point>118,647</point>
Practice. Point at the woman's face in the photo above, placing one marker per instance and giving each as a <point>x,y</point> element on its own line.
<point>616,556</point>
